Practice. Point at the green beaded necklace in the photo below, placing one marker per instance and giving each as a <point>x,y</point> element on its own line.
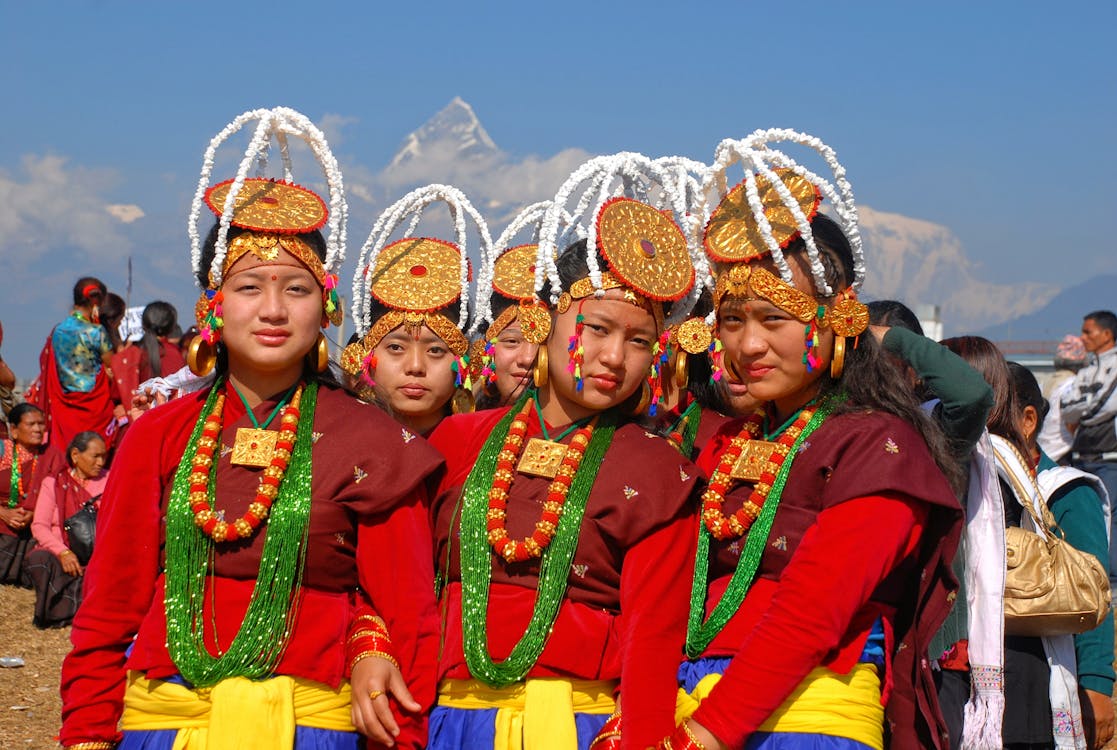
<point>700,634</point>
<point>15,491</point>
<point>273,608</point>
<point>554,570</point>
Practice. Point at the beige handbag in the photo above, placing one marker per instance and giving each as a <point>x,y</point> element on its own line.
<point>1051,588</point>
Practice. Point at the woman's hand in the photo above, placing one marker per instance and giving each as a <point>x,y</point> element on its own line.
<point>373,679</point>
<point>70,564</point>
<point>690,735</point>
<point>1097,718</point>
<point>143,401</point>
<point>16,518</point>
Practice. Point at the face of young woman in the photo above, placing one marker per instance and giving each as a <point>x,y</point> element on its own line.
<point>617,338</point>
<point>413,376</point>
<point>31,429</point>
<point>764,346</point>
<point>273,313</point>
<point>90,461</point>
<point>513,359</point>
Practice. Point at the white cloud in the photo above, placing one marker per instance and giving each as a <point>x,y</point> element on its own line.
<point>332,124</point>
<point>126,213</point>
<point>52,205</point>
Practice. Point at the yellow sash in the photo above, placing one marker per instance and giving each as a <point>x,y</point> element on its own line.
<point>840,705</point>
<point>536,714</point>
<point>236,713</point>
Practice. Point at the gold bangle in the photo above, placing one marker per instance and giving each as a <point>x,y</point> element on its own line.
<point>366,654</point>
<point>365,633</point>
<point>60,554</point>
<point>376,620</point>
<point>690,736</point>
<point>91,746</point>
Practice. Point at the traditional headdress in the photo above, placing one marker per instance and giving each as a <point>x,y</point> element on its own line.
<point>513,279</point>
<point>415,278</point>
<point>694,335</point>
<point>763,214</point>
<point>273,213</point>
<point>630,209</point>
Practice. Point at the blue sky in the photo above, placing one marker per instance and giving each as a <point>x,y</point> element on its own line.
<point>993,119</point>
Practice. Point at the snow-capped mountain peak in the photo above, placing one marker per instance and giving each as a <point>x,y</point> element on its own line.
<point>456,125</point>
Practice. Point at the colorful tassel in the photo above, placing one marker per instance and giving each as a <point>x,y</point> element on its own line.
<point>213,321</point>
<point>810,341</point>
<point>330,299</point>
<point>368,364</point>
<point>717,353</point>
<point>488,366</point>
<point>577,352</point>
<point>661,354</point>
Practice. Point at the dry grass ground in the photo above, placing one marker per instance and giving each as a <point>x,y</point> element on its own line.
<point>29,703</point>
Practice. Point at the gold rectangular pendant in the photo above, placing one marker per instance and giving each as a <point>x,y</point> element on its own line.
<point>541,458</point>
<point>253,447</point>
<point>754,457</point>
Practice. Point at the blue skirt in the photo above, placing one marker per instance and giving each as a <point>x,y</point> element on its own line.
<point>470,728</point>
<point>306,738</point>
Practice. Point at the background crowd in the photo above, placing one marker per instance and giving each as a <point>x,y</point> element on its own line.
<point>935,450</point>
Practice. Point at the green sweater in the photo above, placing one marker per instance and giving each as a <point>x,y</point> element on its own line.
<point>1078,511</point>
<point>965,398</point>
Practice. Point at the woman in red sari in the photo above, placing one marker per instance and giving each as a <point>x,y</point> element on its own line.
<point>24,462</point>
<point>75,370</point>
<point>54,569</point>
<point>246,525</point>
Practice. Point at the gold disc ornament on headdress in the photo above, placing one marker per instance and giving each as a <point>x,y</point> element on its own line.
<point>514,277</point>
<point>732,233</point>
<point>645,249</point>
<point>417,274</point>
<point>271,206</point>
<point>693,336</point>
<point>514,273</point>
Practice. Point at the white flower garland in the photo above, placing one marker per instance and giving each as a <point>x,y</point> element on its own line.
<point>690,176</point>
<point>758,157</point>
<point>414,205</point>
<point>661,183</point>
<point>279,122</point>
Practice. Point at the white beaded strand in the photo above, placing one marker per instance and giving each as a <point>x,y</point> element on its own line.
<point>758,156</point>
<point>411,207</point>
<point>279,123</point>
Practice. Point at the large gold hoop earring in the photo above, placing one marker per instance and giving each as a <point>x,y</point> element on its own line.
<point>463,401</point>
<point>731,370</point>
<point>539,373</point>
<point>645,399</point>
<point>201,357</point>
<point>682,369</point>
<point>838,362</point>
<point>319,356</point>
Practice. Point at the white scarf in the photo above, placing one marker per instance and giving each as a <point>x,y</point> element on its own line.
<point>1053,479</point>
<point>985,590</point>
<point>1066,713</point>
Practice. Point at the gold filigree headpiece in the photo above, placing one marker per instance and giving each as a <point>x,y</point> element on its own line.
<point>645,249</point>
<point>514,277</point>
<point>734,239</point>
<point>733,234</point>
<point>415,277</point>
<point>273,214</point>
<point>583,288</point>
<point>847,316</point>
